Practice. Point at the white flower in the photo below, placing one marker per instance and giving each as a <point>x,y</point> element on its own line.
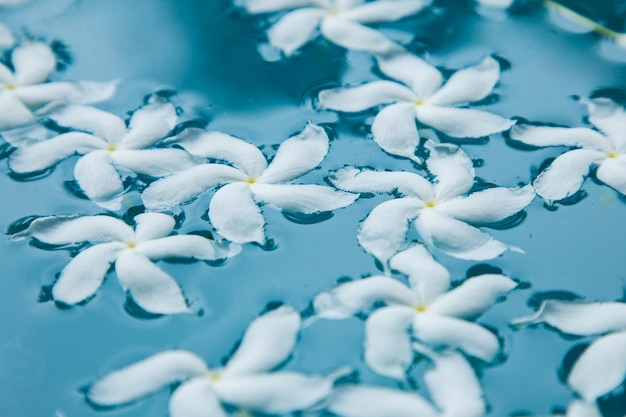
<point>245,381</point>
<point>25,92</point>
<point>132,253</point>
<point>108,147</point>
<point>441,209</point>
<point>234,210</point>
<point>435,313</point>
<point>339,21</point>
<point>605,149</point>
<point>602,366</point>
<point>422,97</point>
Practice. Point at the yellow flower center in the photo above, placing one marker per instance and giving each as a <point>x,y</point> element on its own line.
<point>612,155</point>
<point>420,308</point>
<point>430,204</point>
<point>131,245</point>
<point>419,102</point>
<point>10,86</point>
<point>251,180</point>
<point>214,377</point>
<point>333,12</point>
<point>112,148</point>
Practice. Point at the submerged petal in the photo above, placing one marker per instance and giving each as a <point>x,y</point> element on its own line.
<point>235,215</point>
<point>395,130</point>
<point>352,35</point>
<point>99,179</point>
<point>612,172</point>
<point>469,84</point>
<point>295,29</point>
<point>423,78</point>
<point>462,123</point>
<point>33,63</point>
<point>195,398</point>
<point>558,136</point>
<point>150,226</point>
<point>369,401</point>
<point>365,96</point>
<point>153,162</point>
<point>365,180</point>
<point>384,11</point>
<point>149,124</point>
<point>302,198</point>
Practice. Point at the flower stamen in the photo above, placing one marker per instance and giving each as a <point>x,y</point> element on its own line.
<point>10,86</point>
<point>430,204</point>
<point>250,180</point>
<point>419,102</point>
<point>111,148</point>
<point>214,377</point>
<point>612,155</point>
<point>131,245</point>
<point>420,308</point>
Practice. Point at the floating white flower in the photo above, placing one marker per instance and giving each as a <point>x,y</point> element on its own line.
<point>26,93</point>
<point>421,96</point>
<point>108,147</point>
<point>442,211</point>
<point>131,252</point>
<point>339,21</point>
<point>435,313</point>
<point>605,149</point>
<point>246,381</point>
<point>602,366</point>
<point>250,181</point>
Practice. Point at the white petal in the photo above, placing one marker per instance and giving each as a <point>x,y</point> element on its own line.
<point>609,117</point>
<point>151,288</point>
<point>470,337</point>
<point>578,408</point>
<point>195,398</point>
<point>235,215</point>
<point>295,29</point>
<point>89,119</point>
<point>264,6</point>
<point>186,246</point>
<point>352,35</point>
<point>351,297</point>
<point>428,277</point>
<point>13,113</point>
<point>612,172</point>
<point>383,232</point>
<point>86,92</point>
<point>387,344</point>
<point>33,63</point>
<point>370,401</point>
<point>559,136</point>
<point>469,84</point>
<point>462,123</point>
<point>6,75</point>
<point>365,96</point>
<point>566,174</point>
<point>267,342</point>
<point>98,178</point>
<point>601,368</point>
<point>368,181</point>
<point>145,377</point>
<point>302,198</point>
<point>395,130</point>
<point>423,78</point>
<point>473,297</point>
<point>153,162</point>
<point>153,226</point>
<point>384,11</point>
<point>46,153</point>
<point>453,170</point>
<point>36,96</point>
<point>149,124</point>
<point>82,277</point>
<point>577,317</point>
<point>297,155</point>
<point>187,185</point>
<point>488,206</point>
<point>6,37</point>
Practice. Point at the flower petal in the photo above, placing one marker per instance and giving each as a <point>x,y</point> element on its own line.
<point>364,96</point>
<point>13,113</point>
<point>295,29</point>
<point>150,226</point>
<point>82,277</point>
<point>601,368</point>
<point>612,172</point>
<point>89,119</point>
<point>302,198</point>
<point>99,179</point>
<point>149,124</point>
<point>384,11</point>
<point>145,377</point>
<point>468,85</point>
<point>423,78</point>
<point>153,162</point>
<point>267,342</point>
<point>297,155</point>
<point>6,37</point>
<point>151,288</point>
<point>370,401</point>
<point>452,168</point>
<point>195,398</point>
<point>559,136</point>
<point>85,92</point>
<point>36,96</point>
<point>235,215</point>
<point>354,36</point>
<point>609,117</point>
<point>264,6</point>
<point>395,130</point>
<point>387,344</point>
<point>33,63</point>
<point>187,246</point>
<point>462,123</point>
<point>365,180</point>
<point>578,408</point>
<point>357,296</point>
<point>187,185</point>
<point>566,174</point>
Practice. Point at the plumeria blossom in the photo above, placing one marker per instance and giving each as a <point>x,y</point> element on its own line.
<point>131,251</point>
<point>109,149</point>
<point>602,366</point>
<point>421,95</point>
<point>435,313</point>
<point>26,93</point>
<point>604,148</point>
<point>249,181</point>
<point>340,21</point>
<point>443,210</point>
<point>246,381</point>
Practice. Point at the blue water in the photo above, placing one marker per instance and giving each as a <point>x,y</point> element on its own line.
<point>211,54</point>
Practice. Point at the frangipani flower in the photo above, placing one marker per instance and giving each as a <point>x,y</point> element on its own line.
<point>339,21</point>
<point>131,252</point>
<point>25,92</point>
<point>246,381</point>
<point>604,148</point>
<point>109,148</point>
<point>602,366</point>
<point>250,181</point>
<point>434,313</point>
<point>421,96</point>
<point>442,211</point>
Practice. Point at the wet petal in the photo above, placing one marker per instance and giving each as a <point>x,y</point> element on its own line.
<point>559,136</point>
<point>82,277</point>
<point>149,124</point>
<point>145,377</point>
<point>469,84</point>
<point>395,130</point>
<point>187,185</point>
<point>462,123</point>
<point>153,162</point>
<point>264,6</point>
<point>187,246</point>
<point>235,215</point>
<point>151,288</point>
<point>453,170</point>
<point>370,401</point>
<point>268,342</point>
<point>153,225</point>
<point>89,119</point>
<point>612,172</point>
<point>609,117</point>
<point>13,112</point>
<point>578,408</point>
<point>368,181</point>
<point>35,96</point>
<point>423,78</point>
<point>364,96</point>
<point>601,368</point>
<point>295,29</point>
<point>387,344</point>
<point>302,198</point>
<point>195,398</point>
<point>6,38</point>
<point>85,92</point>
<point>384,11</point>
<point>98,178</point>
<point>33,63</point>
<point>354,36</point>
